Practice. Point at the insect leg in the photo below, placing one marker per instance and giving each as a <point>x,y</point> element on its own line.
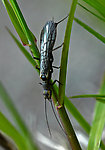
<point>56,67</point>
<point>36,58</point>
<point>40,83</point>
<point>55,82</point>
<point>57,47</point>
<point>37,67</point>
<point>47,119</point>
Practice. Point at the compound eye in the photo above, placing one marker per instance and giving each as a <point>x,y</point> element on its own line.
<point>43,77</point>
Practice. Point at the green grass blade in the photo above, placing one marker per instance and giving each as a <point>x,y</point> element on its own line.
<point>23,50</point>
<point>98,97</point>
<point>98,123</point>
<point>88,96</point>
<point>75,113</point>
<point>8,102</point>
<point>89,29</point>
<point>25,28</point>
<point>6,143</point>
<point>99,17</point>
<point>15,22</point>
<point>19,16</point>
<point>65,50</point>
<point>99,5</point>
<point>68,129</point>
<point>7,128</point>
<point>80,119</point>
<point>17,118</point>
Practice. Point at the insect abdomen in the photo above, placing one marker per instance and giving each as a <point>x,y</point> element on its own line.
<point>47,40</point>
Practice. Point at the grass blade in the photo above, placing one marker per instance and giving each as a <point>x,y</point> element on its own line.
<point>75,113</point>
<point>88,96</point>
<point>20,17</point>
<point>65,121</point>
<point>99,17</point>
<point>64,58</point>
<point>98,97</point>
<point>98,123</point>
<point>25,28</point>
<point>8,102</point>
<point>62,79</point>
<point>7,128</point>
<point>99,5</point>
<point>15,22</point>
<point>80,119</point>
<point>6,143</point>
<point>23,50</point>
<point>17,118</point>
<point>89,29</point>
<point>21,27</point>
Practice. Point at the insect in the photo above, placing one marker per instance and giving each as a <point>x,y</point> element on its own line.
<point>47,41</point>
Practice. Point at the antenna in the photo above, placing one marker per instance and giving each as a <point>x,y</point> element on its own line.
<point>56,116</point>
<point>61,20</point>
<point>47,119</point>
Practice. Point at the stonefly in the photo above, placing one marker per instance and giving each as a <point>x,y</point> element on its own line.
<point>47,41</point>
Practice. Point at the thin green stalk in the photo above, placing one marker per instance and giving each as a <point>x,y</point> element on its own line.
<point>15,21</point>
<point>99,17</point>
<point>62,79</point>
<point>23,50</point>
<point>80,119</point>
<point>22,21</point>
<point>89,29</point>
<point>66,122</point>
<point>88,96</point>
<point>98,5</point>
<point>6,143</point>
<point>74,112</point>
<point>7,128</point>
<point>98,123</point>
<point>19,121</point>
<point>65,50</point>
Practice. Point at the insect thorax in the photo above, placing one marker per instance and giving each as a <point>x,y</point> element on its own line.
<point>47,90</point>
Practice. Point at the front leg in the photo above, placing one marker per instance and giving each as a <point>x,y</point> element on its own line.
<point>35,57</point>
<point>37,67</point>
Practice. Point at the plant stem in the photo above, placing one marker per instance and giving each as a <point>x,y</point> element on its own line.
<point>26,30</point>
<point>68,129</point>
<point>6,143</point>
<point>62,79</point>
<point>65,51</point>
<point>65,121</point>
